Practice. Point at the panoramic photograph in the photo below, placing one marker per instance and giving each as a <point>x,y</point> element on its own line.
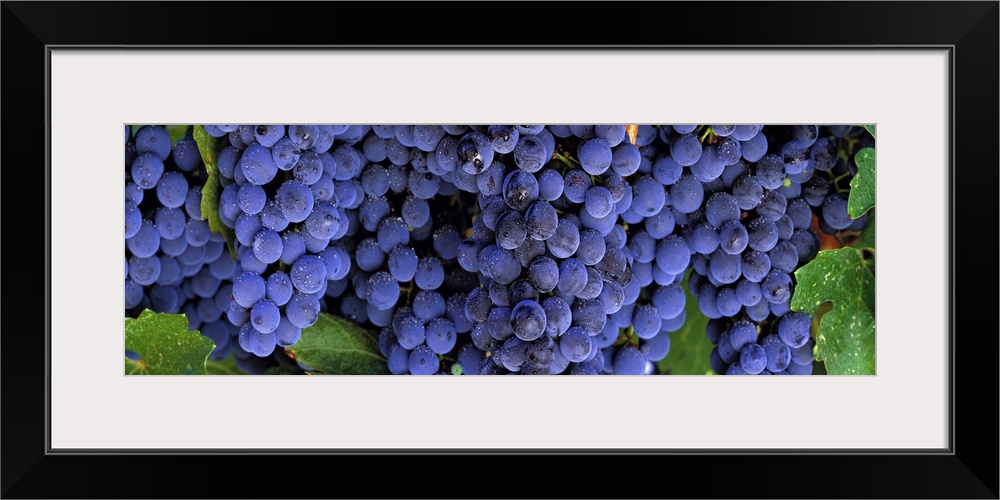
<point>434,249</point>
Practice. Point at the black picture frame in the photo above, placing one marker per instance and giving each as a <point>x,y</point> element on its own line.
<point>968,470</point>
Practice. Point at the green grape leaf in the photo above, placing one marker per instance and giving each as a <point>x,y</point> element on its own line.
<point>867,238</point>
<point>689,346</point>
<point>845,339</point>
<point>284,369</point>
<point>209,148</point>
<point>165,345</point>
<point>176,132</point>
<point>336,346</point>
<point>862,197</point>
<point>871,130</point>
<point>227,367</point>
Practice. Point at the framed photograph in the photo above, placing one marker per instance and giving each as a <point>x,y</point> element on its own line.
<point>621,234</point>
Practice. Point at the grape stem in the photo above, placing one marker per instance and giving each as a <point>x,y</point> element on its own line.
<point>566,159</point>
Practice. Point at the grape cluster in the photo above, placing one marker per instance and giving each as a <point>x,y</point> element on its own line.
<point>173,262</point>
<point>286,193</point>
<point>752,194</point>
<point>495,249</point>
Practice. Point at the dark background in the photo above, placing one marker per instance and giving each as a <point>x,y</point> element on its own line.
<point>971,472</point>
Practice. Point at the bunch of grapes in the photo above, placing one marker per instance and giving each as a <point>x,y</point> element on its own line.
<point>286,193</point>
<point>173,262</point>
<point>748,201</point>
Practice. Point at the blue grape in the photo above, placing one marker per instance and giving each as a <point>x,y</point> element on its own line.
<point>657,347</point>
<point>428,304</point>
<point>703,239</point>
<point>753,359</point>
<point>264,316</point>
<point>594,155</point>
<point>475,152</point>
<point>778,354</point>
<point>599,201</point>
<point>708,167</point>
<point>303,136</point>
<point>267,246</point>
<point>673,254</point>
<point>423,361</point>
<point>721,208</point>
<point>575,185</point>
<point>724,267</point>
<point>153,139</point>
<point>736,369</point>
<point>146,240</point>
<point>565,241</point>
<point>398,360</point>
<point>794,329</point>
<point>805,244</point>
<point>733,237</point>
<point>268,135</point>
<point>550,184</point>
<point>296,200</point>
<point>771,171</point>
<point>286,334</point>
<point>666,170</point>
<point>402,263</point>
<point>685,149</point>
<point>748,292</point>
<point>745,132</point>
<point>625,159</point>
<point>796,156</point>
<point>490,180</point>
<point>416,212</point>
<point>528,320</point>
<point>144,271</point>
<point>747,191</point>
<point>777,286</point>
<point>309,168</point>
<point>172,189</point>
<point>727,302</point>
<point>576,345</point>
<point>669,300</point>
<point>646,321</point>
<point>257,165</point>
<point>510,230</point>
<point>248,289</point>
<point>797,369</point>
<point>687,194</point>
<point>429,274</point>
<point>772,205</point>
<point>308,274</point>
<point>278,288</point>
<point>629,361</point>
<point>835,211</point>
<point>741,334</point>
<point>530,154</point>
<point>520,190</point>
<point>823,154</point>
<point>423,185</point>
<point>302,310</point>
<point>763,234</point>
<point>503,138</point>
<point>541,221</point>
<point>247,226</point>
<point>147,169</point>
<point>613,134</point>
<point>441,335</point>
<point>648,196</point>
<point>784,257</point>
